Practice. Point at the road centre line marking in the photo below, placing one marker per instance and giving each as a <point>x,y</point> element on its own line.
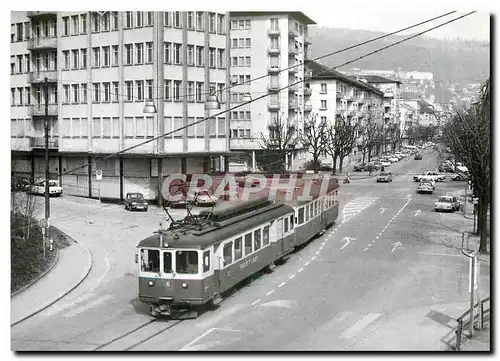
<point>440,254</point>
<point>369,245</point>
<point>291,277</point>
<point>366,249</point>
<point>267,294</point>
<point>300,270</point>
<point>313,258</point>
<point>282,284</point>
<point>377,237</point>
<point>317,252</point>
<point>323,243</point>
<point>255,302</point>
<point>307,263</point>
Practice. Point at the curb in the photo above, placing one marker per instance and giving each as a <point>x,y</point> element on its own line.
<point>38,278</point>
<point>90,266</point>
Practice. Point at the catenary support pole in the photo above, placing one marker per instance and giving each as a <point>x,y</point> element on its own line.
<point>47,194</point>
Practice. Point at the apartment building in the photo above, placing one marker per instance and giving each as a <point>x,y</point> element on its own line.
<point>271,48</point>
<point>101,68</point>
<point>336,97</point>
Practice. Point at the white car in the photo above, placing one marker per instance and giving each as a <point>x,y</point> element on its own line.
<point>428,179</point>
<point>393,159</point>
<point>447,203</point>
<point>203,197</point>
<point>54,188</point>
<point>385,162</point>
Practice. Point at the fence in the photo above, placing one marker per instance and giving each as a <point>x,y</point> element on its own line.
<point>479,317</point>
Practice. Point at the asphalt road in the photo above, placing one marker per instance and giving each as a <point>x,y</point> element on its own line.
<point>365,285</point>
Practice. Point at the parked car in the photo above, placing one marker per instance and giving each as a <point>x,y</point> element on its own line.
<point>447,203</point>
<point>384,177</point>
<point>54,188</point>
<point>459,177</point>
<point>359,167</point>
<point>392,159</point>
<point>135,201</point>
<point>203,197</point>
<point>418,156</point>
<point>19,184</point>
<point>430,173</point>
<point>385,162</point>
<point>425,187</point>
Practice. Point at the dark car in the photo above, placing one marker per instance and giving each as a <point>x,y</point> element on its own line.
<point>135,201</point>
<point>19,184</point>
<point>418,156</point>
<point>360,167</point>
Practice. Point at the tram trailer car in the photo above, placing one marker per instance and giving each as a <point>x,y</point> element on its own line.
<point>184,268</point>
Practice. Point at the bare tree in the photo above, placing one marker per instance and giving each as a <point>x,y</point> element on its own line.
<point>340,141</point>
<point>468,135</point>
<point>367,133</point>
<point>394,135</point>
<point>314,139</point>
<point>278,144</point>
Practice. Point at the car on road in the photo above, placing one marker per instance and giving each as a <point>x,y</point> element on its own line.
<point>359,167</point>
<point>459,177</point>
<point>425,187</point>
<point>430,173</point>
<point>418,156</point>
<point>135,201</point>
<point>392,159</point>
<point>385,162</point>
<point>54,188</point>
<point>384,177</point>
<point>447,203</point>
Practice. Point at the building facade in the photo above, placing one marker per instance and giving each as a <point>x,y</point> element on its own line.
<point>100,68</point>
<point>271,48</point>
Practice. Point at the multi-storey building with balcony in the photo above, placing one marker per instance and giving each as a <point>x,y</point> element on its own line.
<point>100,69</point>
<point>336,97</point>
<point>269,47</point>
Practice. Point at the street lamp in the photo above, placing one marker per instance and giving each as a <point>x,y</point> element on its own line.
<point>150,107</point>
<point>212,103</point>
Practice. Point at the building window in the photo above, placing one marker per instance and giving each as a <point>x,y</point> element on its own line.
<point>28,95</point>
<point>74,55</point>
<point>140,127</point>
<point>105,50</point>
<point>97,57</point>
<point>65,90</point>
<point>200,127</point>
<point>190,91</point>
<point>106,127</point>
<point>177,90</point>
<point>114,20</point>
<point>168,53</point>
<point>200,26</point>
<point>323,119</point>
<point>28,63</point>
<point>168,90</point>
<point>115,55</point>
<point>83,53</point>
<point>65,20</point>
<point>74,25</point>
<point>211,57</point>
<point>149,52</point>
<point>97,92</point>
<point>167,20</point>
<point>221,127</point>
<point>190,20</point>
<point>248,61</point>
<point>211,23</point>
<point>115,91</point>
<point>149,89</point>
<point>212,130</point>
<point>323,88</point>
<point>105,21</point>
<point>129,91</point>
<point>116,127</point>
<point>138,19</point>
<point>84,93</point>
<point>199,91</point>
<point>190,55</point>
<point>177,19</point>
<point>220,92</point>
<point>76,93</point>
<point>128,54</point>
<point>96,131</point>
<point>221,56</point>
<point>177,53</point>
<point>221,24</point>
<point>128,19</point>
<point>234,24</point>
<point>129,127</point>
<point>177,125</point>
<point>149,18</point>
<point>66,59</point>
<point>199,56</point>
<point>107,92</point>
<point>234,43</point>
<point>139,53</point>
<point>140,89</point>
<point>96,22</point>
<point>83,19</point>
<point>190,128</point>
<point>323,105</point>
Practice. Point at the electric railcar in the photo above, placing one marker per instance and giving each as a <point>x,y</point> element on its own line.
<point>192,263</point>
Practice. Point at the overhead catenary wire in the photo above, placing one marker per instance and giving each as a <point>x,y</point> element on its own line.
<point>172,98</point>
<point>266,95</point>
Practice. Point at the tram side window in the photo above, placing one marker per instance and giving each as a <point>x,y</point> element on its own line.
<point>227,253</point>
<point>167,262</point>
<point>238,250</point>
<point>301,215</point>
<point>150,260</point>
<point>206,261</point>
<point>265,236</point>
<point>291,222</point>
<point>186,262</point>
<point>285,220</point>
<point>248,243</point>
<point>257,239</point>
<point>315,208</point>
<point>308,212</point>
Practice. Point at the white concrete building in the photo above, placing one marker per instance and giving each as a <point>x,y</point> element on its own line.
<point>101,68</point>
<point>271,48</point>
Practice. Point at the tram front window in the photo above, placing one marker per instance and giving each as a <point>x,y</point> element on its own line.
<point>167,262</point>
<point>186,262</point>
<point>150,260</point>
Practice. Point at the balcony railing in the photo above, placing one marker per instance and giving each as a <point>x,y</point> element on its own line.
<point>307,107</point>
<point>39,76</point>
<point>339,95</point>
<point>293,69</point>
<point>293,51</point>
<point>39,110</point>
<point>292,33</point>
<point>273,87</point>
<point>273,69</point>
<point>293,104</point>
<point>271,50</point>
<point>273,105</point>
<point>39,142</point>
<point>273,31</point>
<point>293,88</point>
<point>307,92</point>
<point>42,43</point>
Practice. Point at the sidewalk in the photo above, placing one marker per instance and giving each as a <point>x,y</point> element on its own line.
<point>480,341</point>
<point>73,266</point>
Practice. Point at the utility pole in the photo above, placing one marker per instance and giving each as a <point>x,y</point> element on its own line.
<point>47,194</point>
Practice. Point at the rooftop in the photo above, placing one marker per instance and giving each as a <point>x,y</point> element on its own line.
<point>379,79</point>
<point>300,16</point>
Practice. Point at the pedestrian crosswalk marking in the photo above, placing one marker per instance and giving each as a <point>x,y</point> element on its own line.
<point>360,325</point>
<point>357,205</point>
<point>87,306</point>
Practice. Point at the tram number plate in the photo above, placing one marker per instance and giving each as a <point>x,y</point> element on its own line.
<point>248,262</point>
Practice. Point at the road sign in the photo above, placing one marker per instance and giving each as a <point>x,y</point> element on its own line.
<point>98,174</point>
<point>43,223</point>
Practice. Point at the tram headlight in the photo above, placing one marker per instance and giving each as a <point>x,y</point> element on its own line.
<point>184,285</point>
<point>151,283</point>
